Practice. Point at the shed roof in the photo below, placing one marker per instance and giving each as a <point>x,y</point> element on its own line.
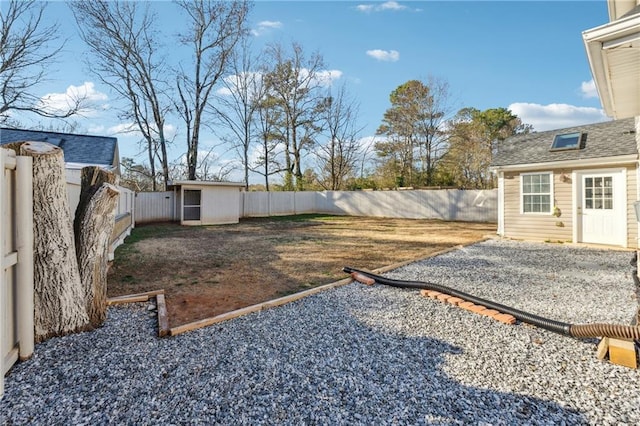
<point>607,139</point>
<point>82,149</point>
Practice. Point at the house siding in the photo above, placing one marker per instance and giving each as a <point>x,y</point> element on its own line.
<point>632,196</point>
<point>538,226</point>
<point>547,227</point>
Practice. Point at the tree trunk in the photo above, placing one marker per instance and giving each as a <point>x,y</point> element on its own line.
<point>93,225</point>
<point>59,296</point>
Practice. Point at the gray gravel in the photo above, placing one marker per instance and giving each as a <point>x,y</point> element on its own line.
<point>358,355</point>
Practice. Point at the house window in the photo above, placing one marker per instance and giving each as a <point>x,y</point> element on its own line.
<point>536,192</point>
<point>191,204</point>
<point>566,141</point>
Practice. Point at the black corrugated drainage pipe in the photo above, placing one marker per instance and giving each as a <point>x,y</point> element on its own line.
<point>584,331</point>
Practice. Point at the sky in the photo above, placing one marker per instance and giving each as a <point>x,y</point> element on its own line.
<point>527,56</point>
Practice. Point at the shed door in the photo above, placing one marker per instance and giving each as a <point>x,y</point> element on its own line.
<point>603,208</point>
<point>191,204</point>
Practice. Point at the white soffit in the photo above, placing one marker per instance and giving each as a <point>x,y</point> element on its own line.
<point>618,8</point>
<point>613,51</point>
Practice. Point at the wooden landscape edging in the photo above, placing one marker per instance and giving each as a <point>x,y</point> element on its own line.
<point>133,298</point>
<point>174,331</point>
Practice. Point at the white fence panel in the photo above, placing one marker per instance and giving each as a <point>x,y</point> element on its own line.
<point>304,202</point>
<point>154,207</point>
<point>16,274</point>
<point>282,203</point>
<point>255,204</point>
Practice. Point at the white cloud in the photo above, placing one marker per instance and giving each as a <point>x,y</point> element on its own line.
<point>556,116</point>
<point>365,7</point>
<point>121,128</point>
<point>391,5</point>
<point>131,130</point>
<point>265,26</point>
<point>96,130</point>
<point>232,83</point>
<point>384,55</point>
<point>92,101</point>
<point>327,77</point>
<point>588,89</point>
<point>380,7</point>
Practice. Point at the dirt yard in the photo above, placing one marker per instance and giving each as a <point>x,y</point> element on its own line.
<point>206,271</point>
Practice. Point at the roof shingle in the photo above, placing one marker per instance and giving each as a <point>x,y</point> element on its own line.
<point>84,149</point>
<point>607,139</point>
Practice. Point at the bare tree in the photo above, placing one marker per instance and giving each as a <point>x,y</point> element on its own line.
<point>127,57</point>
<point>215,28</point>
<point>28,49</point>
<point>337,157</point>
<point>294,85</point>
<point>269,140</point>
<point>237,102</point>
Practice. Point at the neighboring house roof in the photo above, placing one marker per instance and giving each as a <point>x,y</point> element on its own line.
<point>607,139</point>
<point>78,149</point>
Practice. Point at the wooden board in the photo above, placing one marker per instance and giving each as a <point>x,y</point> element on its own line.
<point>255,308</point>
<point>623,352</point>
<point>163,318</point>
<point>133,298</point>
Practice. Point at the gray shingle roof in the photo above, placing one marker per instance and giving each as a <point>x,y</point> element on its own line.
<point>84,149</point>
<point>607,139</point>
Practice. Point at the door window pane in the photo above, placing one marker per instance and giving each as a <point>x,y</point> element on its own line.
<point>598,193</point>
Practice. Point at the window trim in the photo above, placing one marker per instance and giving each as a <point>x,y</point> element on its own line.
<point>551,196</point>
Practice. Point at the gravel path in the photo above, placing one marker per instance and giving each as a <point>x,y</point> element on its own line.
<point>358,355</point>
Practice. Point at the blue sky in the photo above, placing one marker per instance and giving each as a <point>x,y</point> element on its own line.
<point>527,56</point>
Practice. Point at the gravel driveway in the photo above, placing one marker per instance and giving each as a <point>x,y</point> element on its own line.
<point>358,355</point>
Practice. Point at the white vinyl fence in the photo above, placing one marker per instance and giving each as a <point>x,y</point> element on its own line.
<point>447,204</point>
<point>16,276</point>
<point>155,207</point>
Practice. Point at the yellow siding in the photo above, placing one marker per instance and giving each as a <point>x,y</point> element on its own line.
<point>536,226</point>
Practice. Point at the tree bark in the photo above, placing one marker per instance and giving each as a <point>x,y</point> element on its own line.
<point>93,225</point>
<point>58,293</point>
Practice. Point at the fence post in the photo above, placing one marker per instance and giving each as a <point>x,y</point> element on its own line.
<point>24,243</point>
<point>3,314</point>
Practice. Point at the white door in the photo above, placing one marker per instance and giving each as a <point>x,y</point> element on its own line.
<point>603,208</point>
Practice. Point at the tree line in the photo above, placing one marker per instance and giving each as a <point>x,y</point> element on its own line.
<point>278,109</point>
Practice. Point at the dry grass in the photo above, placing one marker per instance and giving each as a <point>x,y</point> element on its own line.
<point>207,271</point>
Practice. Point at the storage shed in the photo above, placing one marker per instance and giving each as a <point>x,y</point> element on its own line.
<point>206,203</point>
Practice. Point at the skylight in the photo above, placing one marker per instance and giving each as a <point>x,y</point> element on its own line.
<point>566,141</point>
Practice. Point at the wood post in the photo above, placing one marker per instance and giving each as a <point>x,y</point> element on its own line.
<point>24,245</point>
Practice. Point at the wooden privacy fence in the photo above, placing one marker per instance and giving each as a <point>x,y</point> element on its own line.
<point>16,277</point>
<point>446,204</point>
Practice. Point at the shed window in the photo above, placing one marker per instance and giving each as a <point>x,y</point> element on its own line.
<point>536,192</point>
<point>566,141</point>
<point>191,204</point>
